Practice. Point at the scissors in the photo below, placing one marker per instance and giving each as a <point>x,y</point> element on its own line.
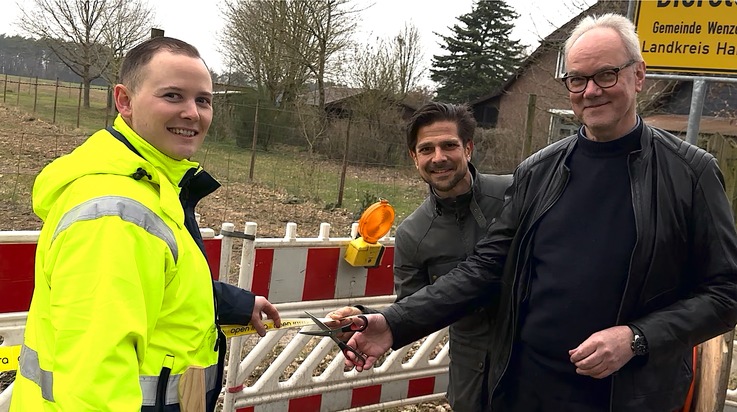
<point>333,334</point>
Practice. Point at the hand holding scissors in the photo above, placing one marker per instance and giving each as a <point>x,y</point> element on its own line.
<point>333,334</point>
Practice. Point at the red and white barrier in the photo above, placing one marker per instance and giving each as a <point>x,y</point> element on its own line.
<point>297,274</point>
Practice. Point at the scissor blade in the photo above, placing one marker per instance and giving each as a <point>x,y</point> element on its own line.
<point>318,322</point>
<point>315,332</point>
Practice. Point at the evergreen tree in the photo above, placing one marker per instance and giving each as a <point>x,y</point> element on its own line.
<point>480,55</point>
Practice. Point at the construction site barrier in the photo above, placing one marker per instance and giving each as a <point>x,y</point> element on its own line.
<point>286,371</point>
<point>283,371</point>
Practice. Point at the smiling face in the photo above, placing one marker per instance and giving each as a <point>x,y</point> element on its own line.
<point>171,105</point>
<point>442,159</point>
<point>607,114</point>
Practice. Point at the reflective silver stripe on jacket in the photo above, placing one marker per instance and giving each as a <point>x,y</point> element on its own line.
<point>149,384</point>
<point>31,370</point>
<point>127,209</point>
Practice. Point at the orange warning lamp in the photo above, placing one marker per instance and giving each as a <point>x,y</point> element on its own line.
<point>375,222</point>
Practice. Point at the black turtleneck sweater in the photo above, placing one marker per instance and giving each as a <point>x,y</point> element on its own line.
<point>580,261</point>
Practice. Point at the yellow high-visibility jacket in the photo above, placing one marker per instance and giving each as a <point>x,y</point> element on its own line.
<point>123,294</point>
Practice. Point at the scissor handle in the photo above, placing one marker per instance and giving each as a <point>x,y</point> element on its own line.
<point>360,356</point>
<point>350,327</point>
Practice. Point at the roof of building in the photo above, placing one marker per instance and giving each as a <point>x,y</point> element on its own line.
<point>678,124</point>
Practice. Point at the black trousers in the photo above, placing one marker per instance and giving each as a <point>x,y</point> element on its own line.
<point>516,397</point>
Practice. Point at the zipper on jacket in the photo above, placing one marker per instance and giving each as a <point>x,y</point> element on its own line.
<point>636,212</point>
<point>525,239</point>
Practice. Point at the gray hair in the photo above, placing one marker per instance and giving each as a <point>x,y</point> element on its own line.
<point>622,25</point>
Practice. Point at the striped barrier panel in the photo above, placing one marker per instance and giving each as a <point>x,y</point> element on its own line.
<point>17,251</point>
<point>297,274</point>
<point>284,371</point>
<point>311,273</point>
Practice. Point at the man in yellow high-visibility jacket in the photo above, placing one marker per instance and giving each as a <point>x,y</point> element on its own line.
<point>124,313</point>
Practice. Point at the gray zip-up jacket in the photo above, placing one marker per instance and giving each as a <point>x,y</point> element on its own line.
<point>430,242</point>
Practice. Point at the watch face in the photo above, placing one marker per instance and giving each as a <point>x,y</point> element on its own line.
<point>639,345</point>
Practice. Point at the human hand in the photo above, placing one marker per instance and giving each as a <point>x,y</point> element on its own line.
<point>340,317</point>
<point>373,342</point>
<point>344,312</point>
<point>603,353</point>
<point>263,307</point>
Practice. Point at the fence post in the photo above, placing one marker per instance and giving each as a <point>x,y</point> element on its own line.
<point>108,106</point>
<point>17,94</point>
<point>79,103</point>
<point>527,146</point>
<point>5,86</point>
<point>253,144</point>
<point>56,97</point>
<point>345,162</point>
<point>35,94</point>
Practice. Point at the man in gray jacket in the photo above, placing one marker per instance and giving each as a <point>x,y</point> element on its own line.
<point>443,231</point>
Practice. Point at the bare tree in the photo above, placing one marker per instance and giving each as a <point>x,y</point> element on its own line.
<point>373,67</point>
<point>408,53</point>
<point>260,40</point>
<point>389,66</point>
<point>330,24</point>
<point>387,70</point>
<point>283,44</point>
<point>129,24</point>
<point>81,32</point>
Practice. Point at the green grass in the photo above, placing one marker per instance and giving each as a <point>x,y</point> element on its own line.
<point>37,97</point>
<point>305,178</point>
<point>285,168</point>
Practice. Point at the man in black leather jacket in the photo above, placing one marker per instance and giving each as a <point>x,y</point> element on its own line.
<point>614,256</point>
<point>443,231</point>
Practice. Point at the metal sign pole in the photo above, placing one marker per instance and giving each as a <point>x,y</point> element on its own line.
<point>697,108</point>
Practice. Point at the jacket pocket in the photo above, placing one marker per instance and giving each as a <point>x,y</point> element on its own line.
<point>467,357</point>
<point>467,386</point>
<point>663,383</point>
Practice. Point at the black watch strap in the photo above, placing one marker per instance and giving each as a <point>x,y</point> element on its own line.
<point>639,344</point>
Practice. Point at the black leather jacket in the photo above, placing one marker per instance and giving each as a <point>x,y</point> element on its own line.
<point>682,283</point>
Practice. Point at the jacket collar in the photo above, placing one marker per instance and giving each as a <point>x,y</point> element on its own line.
<point>467,200</point>
<point>166,167</point>
<point>645,141</point>
<point>177,179</point>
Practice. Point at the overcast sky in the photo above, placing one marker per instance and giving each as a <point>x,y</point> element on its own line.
<point>199,21</point>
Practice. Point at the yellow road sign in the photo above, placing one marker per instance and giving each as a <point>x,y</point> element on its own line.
<point>691,36</point>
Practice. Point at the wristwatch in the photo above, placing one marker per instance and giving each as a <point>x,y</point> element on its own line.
<point>639,342</point>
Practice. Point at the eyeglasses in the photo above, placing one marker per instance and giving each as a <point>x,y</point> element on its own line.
<point>604,79</point>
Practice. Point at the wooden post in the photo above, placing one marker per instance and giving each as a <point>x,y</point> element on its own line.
<point>530,122</point>
<point>5,86</point>
<point>253,144</point>
<point>56,97</point>
<point>79,104</point>
<point>345,163</point>
<point>35,94</point>
<point>108,106</point>
<point>712,373</point>
<point>17,94</point>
